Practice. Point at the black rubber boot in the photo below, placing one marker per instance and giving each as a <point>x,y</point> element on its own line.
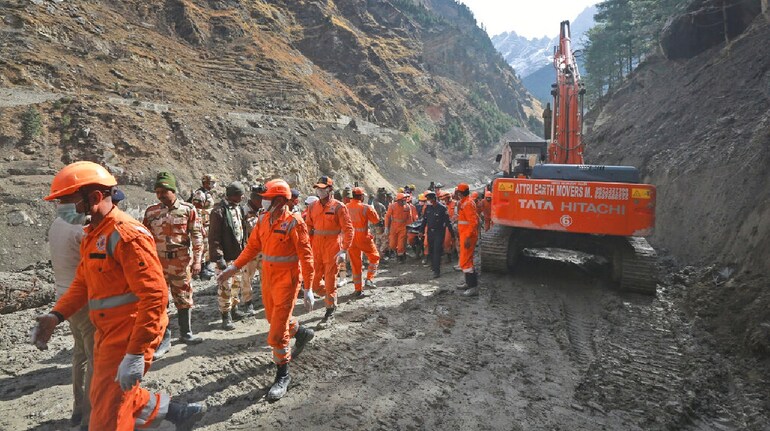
<point>249,309</point>
<point>227,321</point>
<point>328,318</point>
<point>185,333</point>
<point>473,285</point>
<point>236,313</point>
<point>281,384</point>
<point>465,285</point>
<point>183,415</point>
<point>164,347</point>
<point>302,337</point>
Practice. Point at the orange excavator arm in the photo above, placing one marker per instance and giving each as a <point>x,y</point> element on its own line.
<point>566,146</point>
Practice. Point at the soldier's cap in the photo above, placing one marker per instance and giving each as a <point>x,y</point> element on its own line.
<point>430,194</point>
<point>117,195</point>
<point>165,180</point>
<point>439,185</point>
<point>199,196</point>
<point>324,182</point>
<point>210,178</point>
<point>294,193</point>
<point>235,189</point>
<point>257,190</point>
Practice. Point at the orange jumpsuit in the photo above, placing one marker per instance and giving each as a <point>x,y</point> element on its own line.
<point>468,230</point>
<point>486,211</point>
<point>121,280</point>
<point>285,245</point>
<point>449,240</point>
<point>326,222</point>
<point>396,219</point>
<point>363,242</point>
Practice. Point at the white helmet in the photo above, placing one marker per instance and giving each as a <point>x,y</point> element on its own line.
<point>310,199</point>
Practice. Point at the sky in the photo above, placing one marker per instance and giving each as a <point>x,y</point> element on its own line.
<point>529,18</point>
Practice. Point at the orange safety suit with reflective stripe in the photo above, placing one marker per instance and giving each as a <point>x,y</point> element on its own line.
<point>486,211</point>
<point>121,279</point>
<point>396,219</point>
<point>449,239</point>
<point>283,240</point>
<point>330,231</point>
<point>363,242</point>
<point>468,230</point>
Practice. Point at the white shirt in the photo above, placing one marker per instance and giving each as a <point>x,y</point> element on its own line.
<point>64,242</point>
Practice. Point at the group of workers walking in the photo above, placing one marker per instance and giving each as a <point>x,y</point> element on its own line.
<point>113,275</point>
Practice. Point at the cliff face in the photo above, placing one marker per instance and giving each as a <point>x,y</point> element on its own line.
<point>699,129</point>
<point>698,126</point>
<point>375,92</point>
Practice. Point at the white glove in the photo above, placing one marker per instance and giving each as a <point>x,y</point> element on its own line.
<point>227,273</point>
<point>42,332</point>
<point>341,257</point>
<point>130,371</point>
<point>309,300</point>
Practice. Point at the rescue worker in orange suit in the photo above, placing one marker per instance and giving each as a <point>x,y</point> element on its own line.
<point>282,238</point>
<point>363,242</point>
<point>120,278</point>
<point>468,232</point>
<point>486,209</point>
<point>400,214</point>
<point>449,240</point>
<point>328,218</point>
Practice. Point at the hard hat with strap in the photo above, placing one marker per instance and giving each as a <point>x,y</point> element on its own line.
<point>75,176</point>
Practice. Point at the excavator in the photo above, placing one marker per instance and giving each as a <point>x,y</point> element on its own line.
<point>546,197</point>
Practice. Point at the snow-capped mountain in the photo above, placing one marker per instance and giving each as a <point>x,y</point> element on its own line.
<point>527,56</point>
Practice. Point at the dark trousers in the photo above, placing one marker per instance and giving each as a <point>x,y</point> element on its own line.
<point>436,248</point>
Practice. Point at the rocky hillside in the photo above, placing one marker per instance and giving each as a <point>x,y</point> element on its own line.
<point>375,92</point>
<point>697,123</point>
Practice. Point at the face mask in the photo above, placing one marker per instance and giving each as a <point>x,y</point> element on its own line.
<point>69,214</point>
<point>322,193</point>
<point>429,203</point>
<point>266,204</point>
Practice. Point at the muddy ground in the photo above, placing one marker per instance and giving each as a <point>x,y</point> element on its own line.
<point>549,348</point>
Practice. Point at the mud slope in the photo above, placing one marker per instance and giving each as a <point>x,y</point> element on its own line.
<point>699,129</point>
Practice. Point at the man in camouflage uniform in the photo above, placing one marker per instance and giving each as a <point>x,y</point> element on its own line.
<point>198,200</point>
<point>207,195</point>
<point>178,238</point>
<point>227,237</point>
<point>253,210</point>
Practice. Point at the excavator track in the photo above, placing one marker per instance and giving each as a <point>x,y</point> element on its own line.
<point>494,249</point>
<point>638,271</point>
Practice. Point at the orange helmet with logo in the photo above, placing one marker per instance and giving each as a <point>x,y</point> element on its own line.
<point>400,196</point>
<point>277,187</point>
<point>79,174</point>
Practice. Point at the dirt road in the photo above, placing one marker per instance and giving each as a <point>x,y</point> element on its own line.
<point>551,348</point>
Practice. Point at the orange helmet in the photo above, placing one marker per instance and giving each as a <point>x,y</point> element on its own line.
<point>488,194</point>
<point>463,187</point>
<point>277,187</point>
<point>445,195</point>
<point>76,175</point>
<point>400,196</point>
<point>475,195</point>
<point>359,191</point>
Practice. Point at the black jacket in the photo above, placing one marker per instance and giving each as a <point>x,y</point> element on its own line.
<point>436,217</point>
<point>222,242</point>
